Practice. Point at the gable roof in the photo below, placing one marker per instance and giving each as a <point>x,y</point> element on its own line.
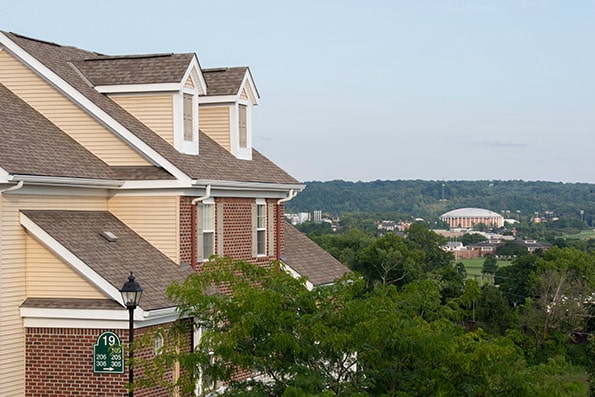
<point>60,61</point>
<point>309,260</point>
<point>224,81</point>
<point>135,69</point>
<point>31,145</point>
<point>79,232</point>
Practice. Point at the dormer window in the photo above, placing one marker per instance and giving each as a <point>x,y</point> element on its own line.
<point>243,126</point>
<point>225,112</point>
<point>188,118</point>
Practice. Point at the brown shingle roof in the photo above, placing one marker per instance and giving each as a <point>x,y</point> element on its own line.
<point>80,233</point>
<point>260,169</point>
<point>224,81</point>
<point>145,173</point>
<point>309,260</point>
<point>31,145</point>
<point>135,69</point>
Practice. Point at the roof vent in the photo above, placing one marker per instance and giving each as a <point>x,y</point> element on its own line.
<point>109,236</point>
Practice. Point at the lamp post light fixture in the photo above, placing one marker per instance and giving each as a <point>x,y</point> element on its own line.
<point>131,294</point>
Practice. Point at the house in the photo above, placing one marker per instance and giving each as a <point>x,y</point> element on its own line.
<point>118,164</point>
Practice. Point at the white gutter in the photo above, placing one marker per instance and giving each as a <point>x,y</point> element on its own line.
<point>206,196</point>
<point>292,193</point>
<point>234,185</point>
<point>15,187</point>
<point>68,181</point>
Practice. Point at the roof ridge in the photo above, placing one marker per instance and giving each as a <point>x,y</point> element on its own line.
<point>129,56</point>
<point>35,39</point>
<point>223,68</point>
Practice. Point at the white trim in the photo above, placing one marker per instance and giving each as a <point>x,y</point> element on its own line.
<point>218,99</point>
<point>233,185</point>
<point>195,71</point>
<point>242,153</point>
<point>153,184</point>
<point>92,108</point>
<point>71,259</point>
<point>4,175</point>
<point>75,191</point>
<point>67,181</point>
<point>90,318</point>
<point>182,145</point>
<point>252,92</point>
<point>193,192</point>
<point>133,88</point>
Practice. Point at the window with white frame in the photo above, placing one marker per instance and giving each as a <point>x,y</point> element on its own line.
<point>208,229</point>
<point>205,382</point>
<point>261,227</point>
<point>188,117</point>
<point>243,126</point>
<point>158,343</point>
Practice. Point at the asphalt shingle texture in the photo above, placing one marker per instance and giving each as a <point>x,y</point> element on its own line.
<point>80,233</point>
<point>309,260</point>
<point>213,162</point>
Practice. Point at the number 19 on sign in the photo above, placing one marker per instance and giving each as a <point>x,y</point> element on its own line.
<point>108,354</point>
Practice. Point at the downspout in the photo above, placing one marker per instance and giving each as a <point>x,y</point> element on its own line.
<point>193,248</point>
<point>15,187</point>
<point>292,193</point>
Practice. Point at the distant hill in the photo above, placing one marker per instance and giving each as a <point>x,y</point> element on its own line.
<point>429,199</point>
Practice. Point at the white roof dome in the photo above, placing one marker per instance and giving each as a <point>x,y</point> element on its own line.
<point>471,213</point>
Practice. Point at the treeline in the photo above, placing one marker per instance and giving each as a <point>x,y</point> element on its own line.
<point>406,322</point>
<point>429,199</point>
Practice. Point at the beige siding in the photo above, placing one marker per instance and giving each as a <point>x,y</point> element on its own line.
<point>189,83</point>
<point>214,121</point>
<point>244,94</point>
<point>155,111</point>
<point>154,218</point>
<point>65,114</point>
<point>48,276</point>
<point>13,278</point>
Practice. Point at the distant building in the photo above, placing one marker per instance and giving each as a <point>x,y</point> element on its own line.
<point>471,217</point>
<point>317,216</point>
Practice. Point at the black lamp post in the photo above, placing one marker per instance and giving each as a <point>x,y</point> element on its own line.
<point>131,293</point>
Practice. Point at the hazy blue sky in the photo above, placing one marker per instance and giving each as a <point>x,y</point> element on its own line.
<point>365,90</point>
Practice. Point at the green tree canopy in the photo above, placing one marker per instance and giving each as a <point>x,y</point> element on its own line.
<point>344,340</point>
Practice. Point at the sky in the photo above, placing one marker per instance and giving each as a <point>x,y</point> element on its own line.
<point>368,90</point>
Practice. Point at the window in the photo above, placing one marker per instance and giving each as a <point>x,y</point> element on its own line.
<point>188,119</point>
<point>261,228</point>
<point>158,343</point>
<point>208,229</point>
<point>243,126</point>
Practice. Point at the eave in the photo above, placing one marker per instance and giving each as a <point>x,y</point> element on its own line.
<point>102,116</point>
<point>66,181</point>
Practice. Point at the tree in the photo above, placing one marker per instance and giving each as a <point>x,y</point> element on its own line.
<point>493,312</point>
<point>345,246</point>
<point>260,319</point>
<point>419,237</point>
<point>512,249</point>
<point>471,238</point>
<point>389,260</point>
<point>342,339</point>
<point>460,268</point>
<point>490,265</point>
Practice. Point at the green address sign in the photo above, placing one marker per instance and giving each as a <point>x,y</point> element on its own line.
<point>108,354</point>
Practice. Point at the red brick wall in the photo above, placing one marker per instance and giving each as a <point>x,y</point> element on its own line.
<point>237,228</point>
<point>59,362</point>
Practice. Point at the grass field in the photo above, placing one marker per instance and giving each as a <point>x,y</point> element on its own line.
<point>474,266</point>
<point>583,234</point>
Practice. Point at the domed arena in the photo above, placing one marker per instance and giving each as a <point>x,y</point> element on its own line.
<point>471,217</point>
